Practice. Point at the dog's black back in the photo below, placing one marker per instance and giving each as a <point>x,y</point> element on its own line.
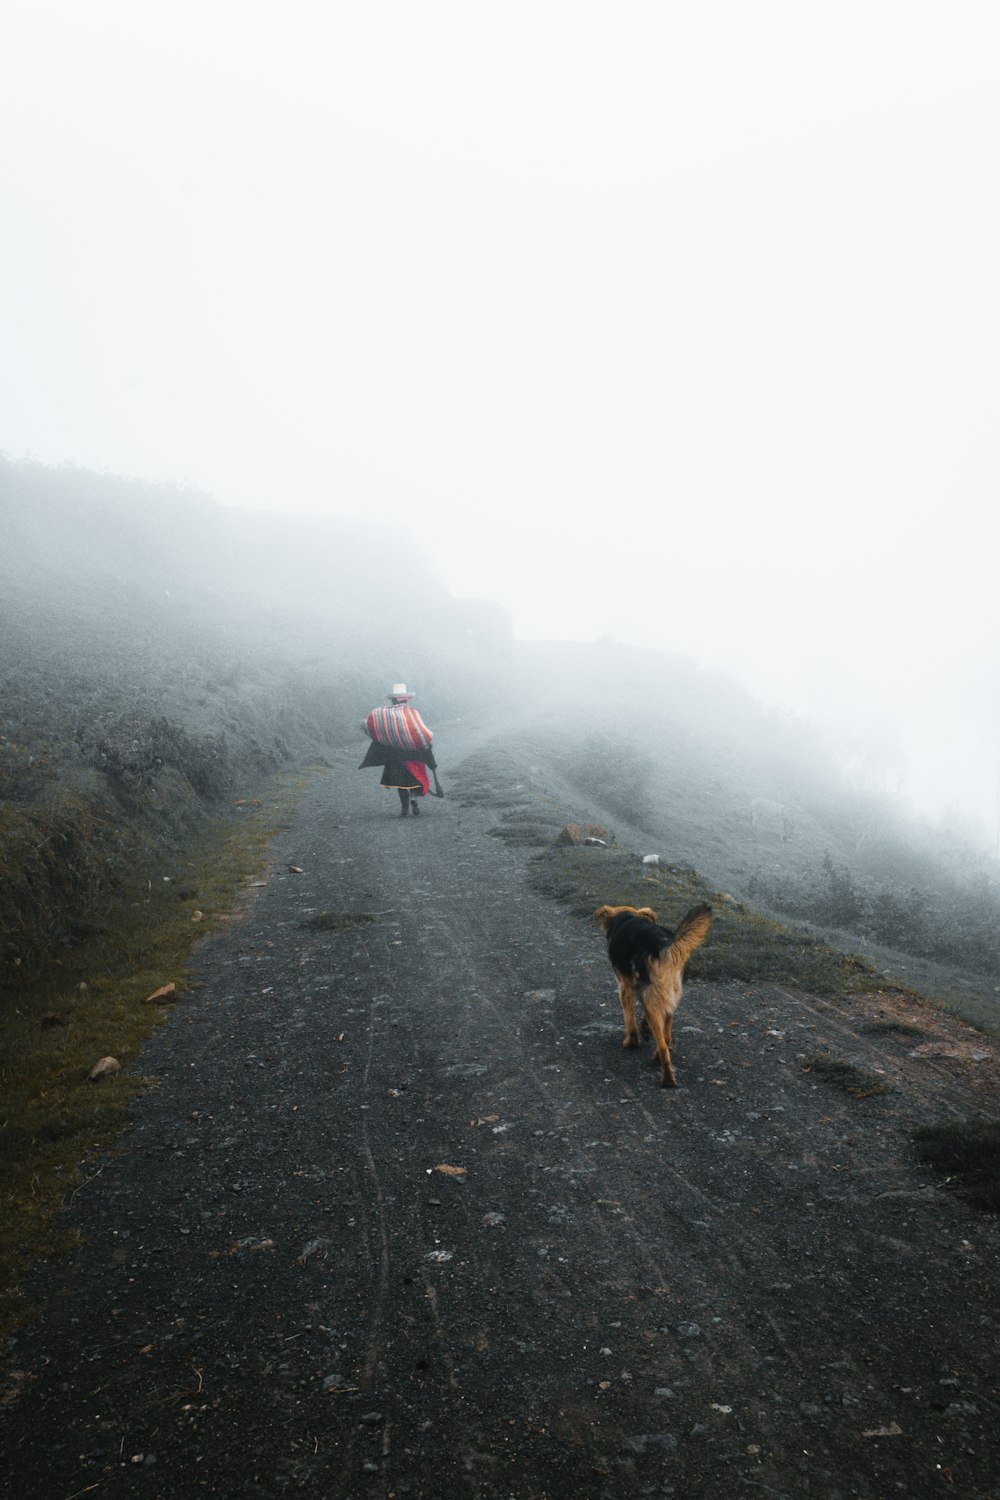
<point>632,942</point>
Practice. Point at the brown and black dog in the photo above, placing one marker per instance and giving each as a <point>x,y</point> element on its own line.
<point>648,961</point>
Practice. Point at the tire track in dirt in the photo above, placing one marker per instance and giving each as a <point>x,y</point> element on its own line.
<point>706,1291</point>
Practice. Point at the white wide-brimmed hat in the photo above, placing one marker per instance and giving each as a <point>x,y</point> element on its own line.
<point>398,690</point>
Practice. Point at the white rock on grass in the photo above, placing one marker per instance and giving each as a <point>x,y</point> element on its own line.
<point>103,1068</point>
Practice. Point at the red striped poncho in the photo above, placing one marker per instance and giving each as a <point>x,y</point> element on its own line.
<point>399,726</point>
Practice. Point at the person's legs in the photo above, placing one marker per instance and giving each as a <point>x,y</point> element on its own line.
<point>415,803</point>
<point>404,799</point>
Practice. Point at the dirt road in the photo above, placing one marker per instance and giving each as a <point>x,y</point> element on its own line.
<point>400,1218</point>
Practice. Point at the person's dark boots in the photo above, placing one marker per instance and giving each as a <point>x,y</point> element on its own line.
<point>414,804</point>
<point>404,802</point>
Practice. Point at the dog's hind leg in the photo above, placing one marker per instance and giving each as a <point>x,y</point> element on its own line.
<point>668,1078</point>
<point>662,1021</point>
<point>626,994</point>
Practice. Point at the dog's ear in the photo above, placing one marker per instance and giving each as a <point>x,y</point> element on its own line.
<point>605,915</point>
<point>647,912</point>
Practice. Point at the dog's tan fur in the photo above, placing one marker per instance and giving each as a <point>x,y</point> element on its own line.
<point>661,997</point>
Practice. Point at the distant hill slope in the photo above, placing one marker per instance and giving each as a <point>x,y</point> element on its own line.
<point>756,802</point>
<point>158,651</point>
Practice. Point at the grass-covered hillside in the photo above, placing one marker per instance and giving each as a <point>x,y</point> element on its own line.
<point>761,807</point>
<point>160,655</point>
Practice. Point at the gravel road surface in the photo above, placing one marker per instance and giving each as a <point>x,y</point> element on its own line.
<point>399,1217</point>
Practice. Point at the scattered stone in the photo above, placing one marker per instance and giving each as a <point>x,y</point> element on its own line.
<point>163,996</point>
<point>313,1248</point>
<point>585,833</point>
<point>104,1068</point>
<point>449,1171</point>
<point>960,1409</point>
<point>645,1442</point>
<point>965,1052</point>
<point>251,1245</point>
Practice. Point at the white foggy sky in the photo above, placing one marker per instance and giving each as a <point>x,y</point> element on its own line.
<point>678,321</point>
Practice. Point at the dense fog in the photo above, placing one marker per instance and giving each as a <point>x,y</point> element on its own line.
<point>622,379</point>
<point>673,325</point>
<point>161,652</point>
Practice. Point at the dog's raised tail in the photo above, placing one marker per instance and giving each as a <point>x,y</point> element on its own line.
<point>692,930</point>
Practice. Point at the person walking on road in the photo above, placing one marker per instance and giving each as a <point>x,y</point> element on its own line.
<point>401,745</point>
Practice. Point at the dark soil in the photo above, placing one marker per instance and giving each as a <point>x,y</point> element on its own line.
<point>747,1285</point>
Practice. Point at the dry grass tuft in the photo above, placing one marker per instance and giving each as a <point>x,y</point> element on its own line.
<point>857,1082</point>
<point>891,1028</point>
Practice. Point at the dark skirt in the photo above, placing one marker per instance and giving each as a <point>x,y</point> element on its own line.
<point>395,772</point>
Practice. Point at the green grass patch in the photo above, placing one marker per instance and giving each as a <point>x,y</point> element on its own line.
<point>338,921</point>
<point>969,1153</point>
<point>87,1002</point>
<point>891,1028</point>
<point>742,945</point>
<point>848,1077</point>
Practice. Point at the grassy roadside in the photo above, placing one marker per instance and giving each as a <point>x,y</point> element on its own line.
<point>745,946</point>
<point>748,948</point>
<point>90,1003</point>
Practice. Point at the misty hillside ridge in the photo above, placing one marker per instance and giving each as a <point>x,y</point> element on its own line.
<point>695,769</point>
<point>163,656</point>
